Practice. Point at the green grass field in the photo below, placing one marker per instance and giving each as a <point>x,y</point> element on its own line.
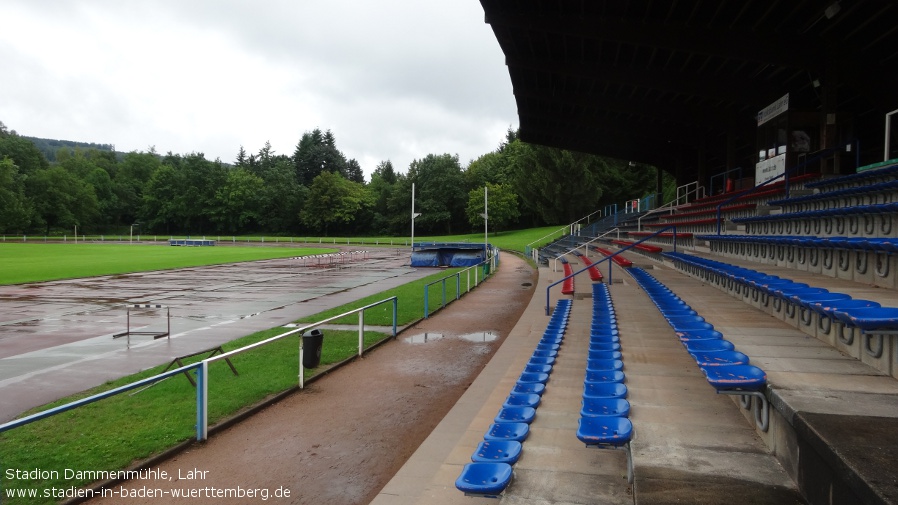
<point>34,262</point>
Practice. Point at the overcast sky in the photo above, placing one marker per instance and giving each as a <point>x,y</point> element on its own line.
<point>392,79</point>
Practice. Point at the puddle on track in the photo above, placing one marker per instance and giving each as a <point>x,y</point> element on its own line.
<point>477,337</point>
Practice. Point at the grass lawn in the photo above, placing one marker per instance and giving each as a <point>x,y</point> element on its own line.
<point>34,262</point>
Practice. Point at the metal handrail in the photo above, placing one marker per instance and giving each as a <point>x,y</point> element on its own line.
<point>608,258</point>
<point>492,260</point>
<point>784,175</point>
<point>555,260</point>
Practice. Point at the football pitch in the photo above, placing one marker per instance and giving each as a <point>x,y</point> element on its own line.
<point>29,262</point>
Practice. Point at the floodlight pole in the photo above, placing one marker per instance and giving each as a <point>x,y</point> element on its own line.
<point>486,252</point>
<point>413,217</point>
<point>885,156</point>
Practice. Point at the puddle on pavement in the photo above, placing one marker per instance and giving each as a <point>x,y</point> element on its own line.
<point>483,336</point>
<point>478,337</point>
<point>423,338</point>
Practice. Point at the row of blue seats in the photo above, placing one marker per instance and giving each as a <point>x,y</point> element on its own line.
<point>838,212</point>
<point>867,315</point>
<point>727,370</point>
<point>817,198</point>
<point>490,470</point>
<point>604,415</point>
<point>872,244</point>
<point>888,170</point>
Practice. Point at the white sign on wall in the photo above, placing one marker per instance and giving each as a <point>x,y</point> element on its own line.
<point>775,109</point>
<point>770,168</point>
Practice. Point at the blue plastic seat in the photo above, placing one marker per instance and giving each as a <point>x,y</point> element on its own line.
<point>691,326</point>
<point>608,432</point>
<point>604,355</point>
<point>541,369</point>
<point>537,360</point>
<point>528,388</point>
<point>829,308</point>
<point>544,353</point>
<point>516,415</point>
<point>507,431</point>
<point>547,347</point>
<point>605,339</point>
<point>596,407</point>
<point>604,390</point>
<point>870,319</point>
<point>718,358</point>
<point>497,451</point>
<point>526,377</point>
<point>699,335</point>
<point>674,320</point>
<point>604,364</point>
<point>735,377</point>
<point>709,345</point>
<point>522,400</point>
<point>604,346</point>
<point>552,340</point>
<point>605,376</point>
<point>484,479</point>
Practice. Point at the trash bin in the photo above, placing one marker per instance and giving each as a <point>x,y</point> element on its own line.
<point>311,348</point>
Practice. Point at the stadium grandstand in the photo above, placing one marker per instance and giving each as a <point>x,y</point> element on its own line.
<point>742,346</point>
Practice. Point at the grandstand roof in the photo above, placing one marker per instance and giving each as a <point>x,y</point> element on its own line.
<point>681,82</point>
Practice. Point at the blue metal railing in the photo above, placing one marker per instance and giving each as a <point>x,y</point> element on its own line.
<point>608,259</point>
<point>492,261</point>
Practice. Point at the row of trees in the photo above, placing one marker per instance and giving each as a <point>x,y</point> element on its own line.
<point>316,190</point>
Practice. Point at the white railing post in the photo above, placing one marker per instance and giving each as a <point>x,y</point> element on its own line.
<point>361,332</point>
<point>301,371</point>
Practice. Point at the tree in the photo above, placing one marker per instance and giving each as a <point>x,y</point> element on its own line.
<point>241,158</point>
<point>237,202</point>
<point>15,208</point>
<point>317,152</point>
<point>159,210</point>
<point>559,186</point>
<point>131,179</point>
<point>381,187</point>
<point>440,192</point>
<point>354,171</point>
<point>61,200</point>
<point>333,200</point>
<point>502,206</point>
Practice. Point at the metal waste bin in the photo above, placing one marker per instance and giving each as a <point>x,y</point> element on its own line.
<point>311,348</point>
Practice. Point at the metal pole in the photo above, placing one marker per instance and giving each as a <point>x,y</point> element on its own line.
<point>301,371</point>
<point>361,332</point>
<point>395,309</point>
<point>202,403</point>
<point>885,155</point>
<point>486,252</point>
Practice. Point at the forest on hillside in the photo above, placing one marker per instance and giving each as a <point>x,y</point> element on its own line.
<point>314,190</point>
